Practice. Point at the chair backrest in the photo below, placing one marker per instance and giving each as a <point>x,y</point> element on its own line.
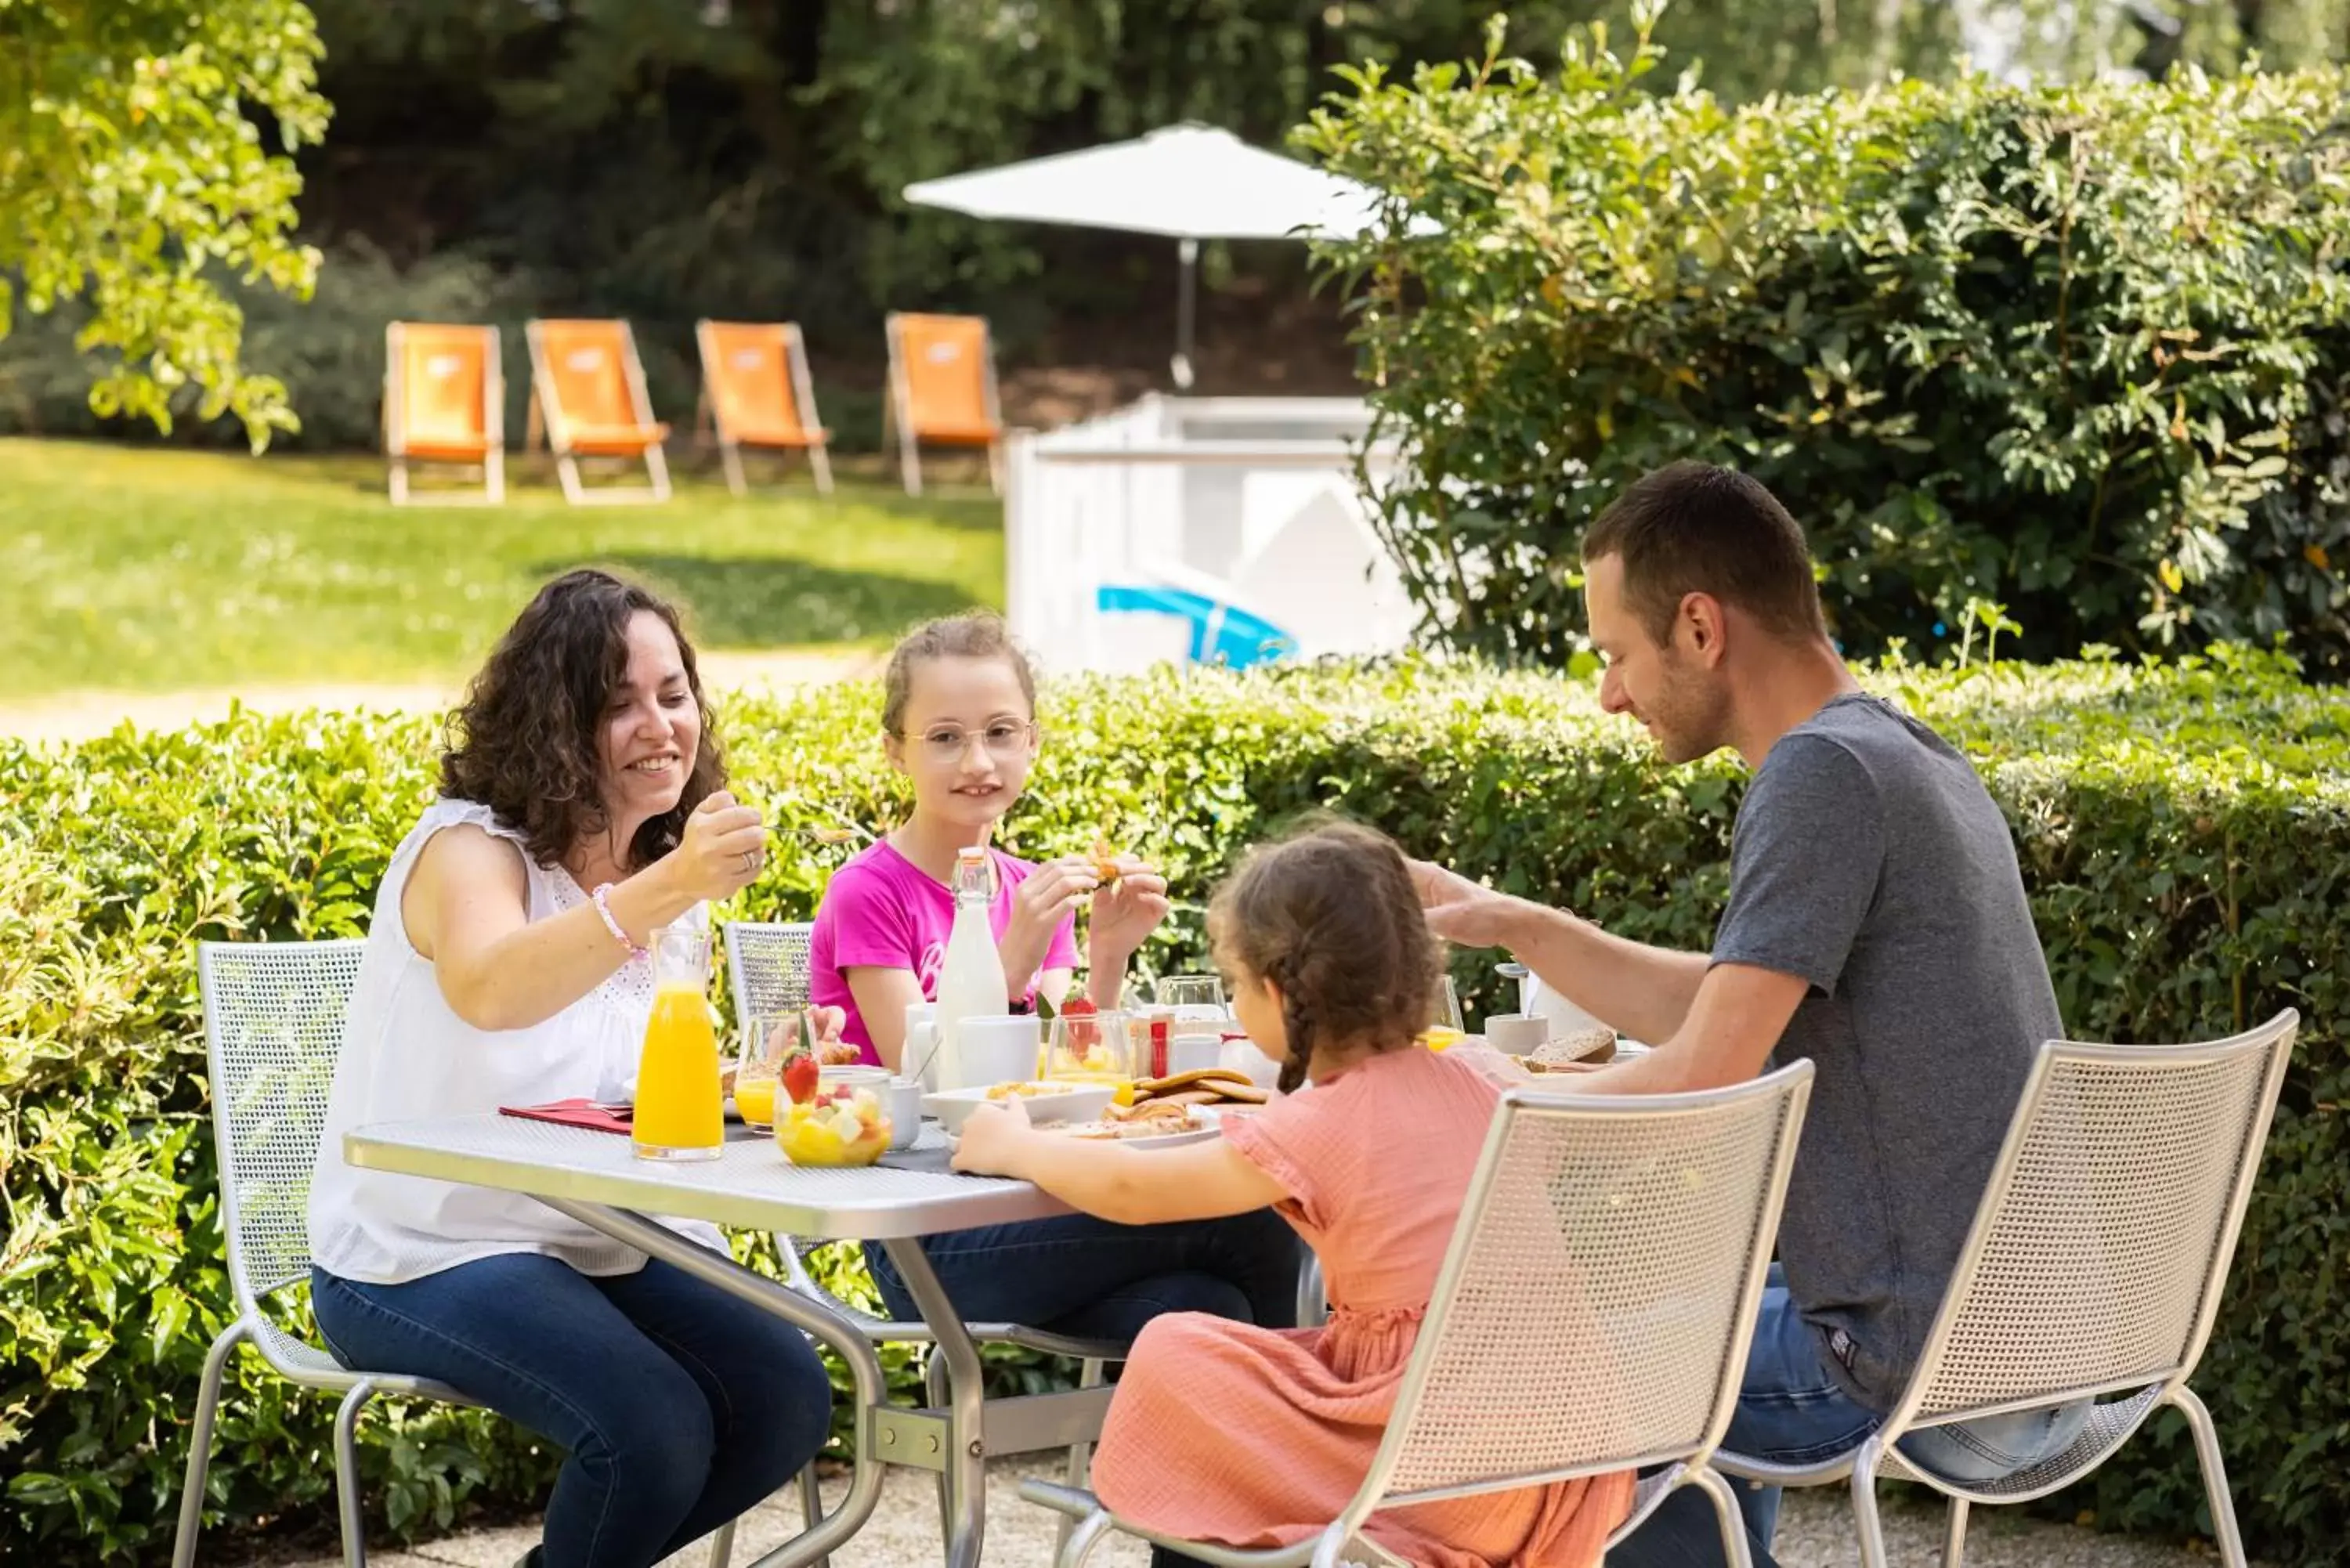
<point>946,379</point>
<point>444,395</point>
<point>2100,1247</point>
<point>273,1017</point>
<point>766,966</point>
<point>756,373</point>
<point>589,374</point>
<point>1595,1308</point>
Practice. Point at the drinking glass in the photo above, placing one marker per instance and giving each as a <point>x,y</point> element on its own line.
<point>1446,1028</point>
<point>1193,996</point>
<point>770,1040</point>
<point>1111,1048</point>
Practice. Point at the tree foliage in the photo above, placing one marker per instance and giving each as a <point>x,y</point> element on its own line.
<point>2080,349</point>
<point>136,170</point>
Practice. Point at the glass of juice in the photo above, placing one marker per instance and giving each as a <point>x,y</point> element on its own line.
<point>1111,1048</point>
<point>769,1041</point>
<point>680,1113</point>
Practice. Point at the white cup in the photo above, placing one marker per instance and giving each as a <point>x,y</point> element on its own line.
<point>1001,1050</point>
<point>921,1037</point>
<point>1242,1056</point>
<point>902,1098</point>
<point>1194,1052</point>
<point>1517,1034</point>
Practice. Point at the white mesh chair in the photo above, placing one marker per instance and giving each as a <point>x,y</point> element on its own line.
<point>1593,1313</point>
<point>2094,1267</point>
<point>273,1028</point>
<point>768,971</point>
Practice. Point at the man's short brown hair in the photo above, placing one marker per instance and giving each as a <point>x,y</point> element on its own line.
<point>1693,528</point>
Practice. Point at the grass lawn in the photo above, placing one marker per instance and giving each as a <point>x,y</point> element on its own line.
<point>152,569</point>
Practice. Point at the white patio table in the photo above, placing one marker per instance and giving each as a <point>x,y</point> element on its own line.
<point>593,1177</point>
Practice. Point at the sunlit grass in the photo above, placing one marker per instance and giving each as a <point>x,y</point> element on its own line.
<point>147,568</point>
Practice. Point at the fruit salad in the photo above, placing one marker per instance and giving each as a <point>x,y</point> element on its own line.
<point>832,1125</point>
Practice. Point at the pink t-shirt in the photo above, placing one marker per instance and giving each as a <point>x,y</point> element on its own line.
<point>881,910</point>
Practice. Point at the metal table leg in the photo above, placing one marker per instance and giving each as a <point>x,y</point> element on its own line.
<point>966,1461</point>
<point>828,1327</point>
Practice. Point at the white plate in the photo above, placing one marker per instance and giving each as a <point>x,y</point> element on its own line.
<point>1077,1103</point>
<point>1209,1115</point>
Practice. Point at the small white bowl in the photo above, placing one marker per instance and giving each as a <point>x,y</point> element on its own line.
<point>1070,1103</point>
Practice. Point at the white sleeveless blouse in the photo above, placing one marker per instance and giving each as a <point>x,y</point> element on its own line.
<point>406,1054</point>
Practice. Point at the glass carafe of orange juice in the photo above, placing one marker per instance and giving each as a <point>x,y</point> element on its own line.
<point>679,1113</point>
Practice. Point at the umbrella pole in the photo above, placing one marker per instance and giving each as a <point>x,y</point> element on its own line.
<point>1186,309</point>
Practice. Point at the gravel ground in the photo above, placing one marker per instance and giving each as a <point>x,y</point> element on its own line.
<point>1814,1532</point>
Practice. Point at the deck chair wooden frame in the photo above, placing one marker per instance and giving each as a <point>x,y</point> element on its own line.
<point>899,415</point>
<point>805,431</point>
<point>570,441</point>
<point>404,442</point>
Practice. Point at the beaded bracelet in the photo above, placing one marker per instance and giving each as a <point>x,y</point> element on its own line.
<point>612,924</point>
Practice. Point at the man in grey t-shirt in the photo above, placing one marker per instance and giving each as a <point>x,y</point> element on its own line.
<point>1876,925</point>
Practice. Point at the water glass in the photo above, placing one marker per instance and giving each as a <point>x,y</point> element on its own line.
<point>1194,996</point>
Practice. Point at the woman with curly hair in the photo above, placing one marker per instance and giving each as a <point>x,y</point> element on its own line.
<point>583,805</point>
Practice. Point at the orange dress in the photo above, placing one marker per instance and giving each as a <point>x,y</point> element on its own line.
<point>1224,1432</point>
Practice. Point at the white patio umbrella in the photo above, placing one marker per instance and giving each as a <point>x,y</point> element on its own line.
<point>1189,182</point>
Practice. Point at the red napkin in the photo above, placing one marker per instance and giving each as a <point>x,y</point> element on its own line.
<point>572,1114</point>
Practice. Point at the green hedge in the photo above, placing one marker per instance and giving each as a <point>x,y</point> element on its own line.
<point>2185,830</point>
<point>2083,350</point>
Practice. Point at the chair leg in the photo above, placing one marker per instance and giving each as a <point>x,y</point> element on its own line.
<point>400,482</point>
<point>1864,1507</point>
<point>496,475</point>
<point>657,465</point>
<point>200,1444</point>
<point>2215,1476</point>
<point>995,466</point>
<point>1954,1533</point>
<point>935,1394</point>
<point>822,462</point>
<point>722,1545</point>
<point>729,457</point>
<point>1734,1550</point>
<point>1090,1372</point>
<point>347,1474</point>
<point>567,469</point>
<point>812,1506</point>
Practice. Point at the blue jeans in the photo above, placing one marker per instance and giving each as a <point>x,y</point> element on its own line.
<point>1791,1411</point>
<point>678,1406</point>
<point>1089,1278</point>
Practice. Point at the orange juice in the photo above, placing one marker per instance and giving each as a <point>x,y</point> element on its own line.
<point>680,1113</point>
<point>754,1100</point>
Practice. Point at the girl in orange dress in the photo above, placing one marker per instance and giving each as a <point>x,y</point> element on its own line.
<point>1249,1437</point>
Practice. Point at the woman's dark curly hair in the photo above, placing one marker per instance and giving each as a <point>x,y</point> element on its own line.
<point>1330,916</point>
<point>527,742</point>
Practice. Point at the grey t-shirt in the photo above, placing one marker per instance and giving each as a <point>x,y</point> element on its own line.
<point>1870,862</point>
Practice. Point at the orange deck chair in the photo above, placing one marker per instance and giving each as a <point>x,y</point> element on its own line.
<point>588,401</point>
<point>445,401</point>
<point>756,392</point>
<point>941,390</point>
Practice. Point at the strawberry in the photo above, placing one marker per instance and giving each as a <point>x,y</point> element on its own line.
<point>1078,1007</point>
<point>799,1079</point>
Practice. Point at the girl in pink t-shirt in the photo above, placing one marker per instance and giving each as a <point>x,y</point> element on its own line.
<point>959,720</point>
